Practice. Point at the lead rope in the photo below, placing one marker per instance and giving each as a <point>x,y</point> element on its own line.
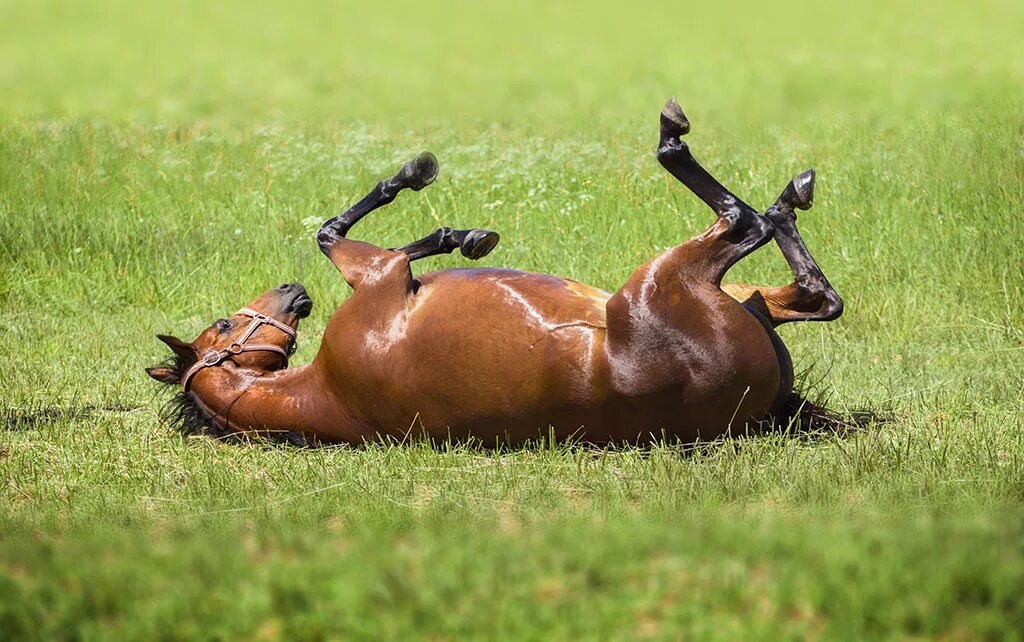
<point>217,357</point>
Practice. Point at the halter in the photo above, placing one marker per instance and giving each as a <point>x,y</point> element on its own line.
<point>217,357</point>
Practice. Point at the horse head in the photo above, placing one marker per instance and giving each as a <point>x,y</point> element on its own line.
<point>259,336</point>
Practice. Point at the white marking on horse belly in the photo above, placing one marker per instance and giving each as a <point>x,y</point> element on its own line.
<point>396,328</point>
<point>584,383</point>
<point>584,375</point>
<point>532,313</point>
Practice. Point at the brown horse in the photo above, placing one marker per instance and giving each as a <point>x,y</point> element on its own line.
<point>503,356</point>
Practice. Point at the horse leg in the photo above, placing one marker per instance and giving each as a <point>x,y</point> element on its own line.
<point>810,297</point>
<point>474,244</point>
<point>415,175</point>
<point>357,260</point>
<point>670,326</point>
<point>739,229</point>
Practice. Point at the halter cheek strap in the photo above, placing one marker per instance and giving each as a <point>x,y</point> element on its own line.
<point>217,357</point>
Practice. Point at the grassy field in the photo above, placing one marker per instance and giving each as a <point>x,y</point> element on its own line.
<point>160,167</point>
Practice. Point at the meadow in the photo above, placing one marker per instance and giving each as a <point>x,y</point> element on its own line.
<point>160,166</point>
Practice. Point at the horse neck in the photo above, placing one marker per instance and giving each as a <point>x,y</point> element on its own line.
<point>287,400</point>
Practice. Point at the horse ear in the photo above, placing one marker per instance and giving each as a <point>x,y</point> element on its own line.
<point>185,351</point>
<point>164,375</point>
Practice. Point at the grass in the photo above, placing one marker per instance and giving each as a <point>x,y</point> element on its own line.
<point>161,166</point>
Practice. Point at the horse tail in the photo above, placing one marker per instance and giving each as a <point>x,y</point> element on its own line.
<point>807,410</point>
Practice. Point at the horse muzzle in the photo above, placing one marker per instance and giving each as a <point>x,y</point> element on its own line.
<point>295,299</point>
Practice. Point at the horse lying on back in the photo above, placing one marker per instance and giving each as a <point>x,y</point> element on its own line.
<point>502,356</point>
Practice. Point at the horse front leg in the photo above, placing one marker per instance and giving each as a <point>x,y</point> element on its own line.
<point>810,297</point>
<point>474,244</point>
<point>361,262</point>
<point>356,259</point>
<point>415,175</point>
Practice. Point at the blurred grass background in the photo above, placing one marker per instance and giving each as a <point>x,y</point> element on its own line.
<point>519,64</point>
<point>161,164</point>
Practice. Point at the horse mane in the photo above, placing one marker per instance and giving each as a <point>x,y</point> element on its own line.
<point>182,412</point>
<point>186,415</point>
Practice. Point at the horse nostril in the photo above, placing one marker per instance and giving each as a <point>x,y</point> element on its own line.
<point>284,287</point>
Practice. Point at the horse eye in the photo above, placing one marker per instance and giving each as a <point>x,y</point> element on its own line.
<point>222,324</point>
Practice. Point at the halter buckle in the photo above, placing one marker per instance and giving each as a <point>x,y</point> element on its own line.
<point>212,358</point>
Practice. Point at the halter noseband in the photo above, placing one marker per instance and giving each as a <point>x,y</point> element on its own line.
<point>217,357</point>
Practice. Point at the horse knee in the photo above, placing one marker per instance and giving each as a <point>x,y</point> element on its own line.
<point>329,234</point>
<point>325,240</point>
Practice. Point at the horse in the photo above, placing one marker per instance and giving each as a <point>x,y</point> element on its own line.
<point>500,356</point>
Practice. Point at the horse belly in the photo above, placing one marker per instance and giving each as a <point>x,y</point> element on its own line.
<point>503,356</point>
<point>517,355</point>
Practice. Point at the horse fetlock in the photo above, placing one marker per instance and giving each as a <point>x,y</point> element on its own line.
<point>670,150</point>
<point>814,290</point>
<point>833,308</point>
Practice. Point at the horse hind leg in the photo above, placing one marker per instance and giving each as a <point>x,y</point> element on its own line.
<point>810,297</point>
<point>671,311</point>
<point>738,230</point>
<point>702,261</point>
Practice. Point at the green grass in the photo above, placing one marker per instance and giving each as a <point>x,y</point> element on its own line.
<point>160,167</point>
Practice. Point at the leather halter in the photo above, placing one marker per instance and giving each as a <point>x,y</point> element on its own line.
<point>217,357</point>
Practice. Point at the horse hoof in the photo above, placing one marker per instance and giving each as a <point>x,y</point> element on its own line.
<point>478,244</point>
<point>420,171</point>
<point>674,123</point>
<point>800,191</point>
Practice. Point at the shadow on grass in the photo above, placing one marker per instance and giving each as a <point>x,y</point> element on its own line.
<point>16,419</point>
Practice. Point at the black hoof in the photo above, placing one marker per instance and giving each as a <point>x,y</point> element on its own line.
<point>478,244</point>
<point>420,171</point>
<point>673,121</point>
<point>800,191</point>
